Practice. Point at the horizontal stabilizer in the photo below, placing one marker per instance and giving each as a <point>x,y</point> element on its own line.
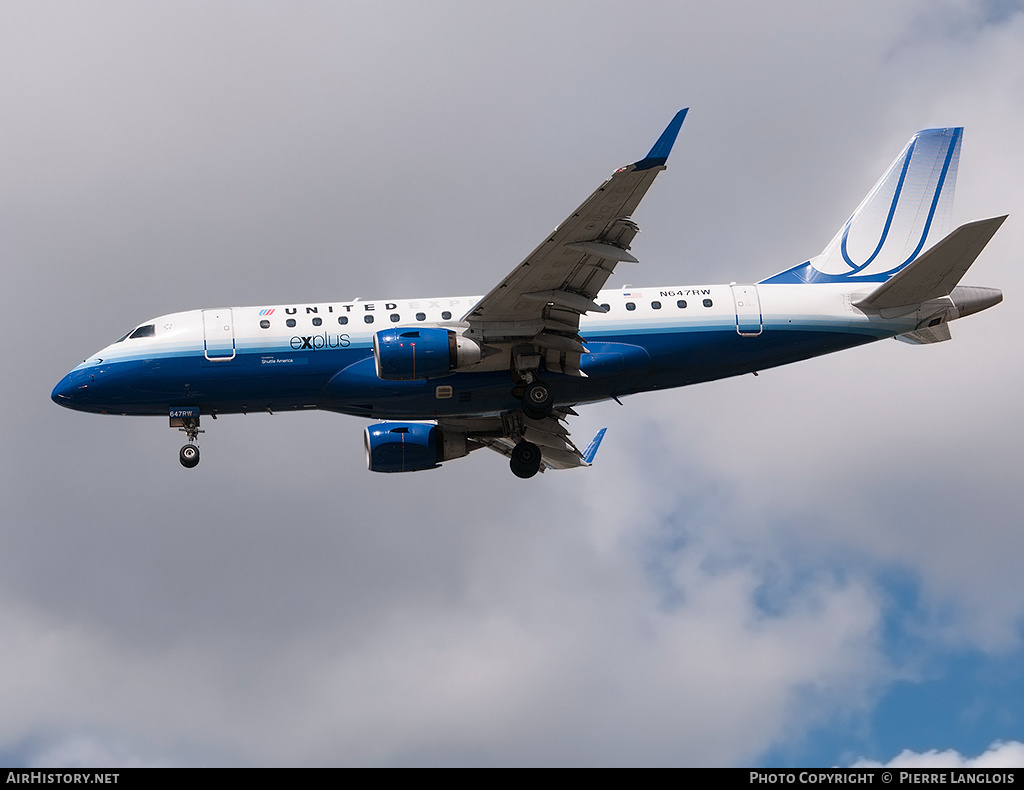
<point>935,273</point>
<point>930,334</point>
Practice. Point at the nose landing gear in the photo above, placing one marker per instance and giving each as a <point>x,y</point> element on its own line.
<point>186,420</point>
<point>189,456</point>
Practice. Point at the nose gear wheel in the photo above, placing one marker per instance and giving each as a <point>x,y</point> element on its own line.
<point>189,456</point>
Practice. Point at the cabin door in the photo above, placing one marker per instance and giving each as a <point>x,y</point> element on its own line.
<point>219,334</point>
<point>748,310</point>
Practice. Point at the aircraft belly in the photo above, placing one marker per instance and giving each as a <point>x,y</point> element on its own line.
<point>357,390</point>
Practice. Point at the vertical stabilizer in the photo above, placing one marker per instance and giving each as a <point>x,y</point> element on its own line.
<point>907,211</point>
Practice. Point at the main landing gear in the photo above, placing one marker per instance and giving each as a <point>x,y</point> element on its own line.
<point>525,461</point>
<point>537,403</point>
<point>537,400</point>
<point>534,394</point>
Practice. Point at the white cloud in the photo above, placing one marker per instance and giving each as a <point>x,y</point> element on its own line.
<point>1001,754</point>
<point>86,752</point>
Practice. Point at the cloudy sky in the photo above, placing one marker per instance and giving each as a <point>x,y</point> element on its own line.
<point>821,565</point>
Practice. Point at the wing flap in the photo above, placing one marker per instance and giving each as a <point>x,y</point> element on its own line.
<point>501,433</point>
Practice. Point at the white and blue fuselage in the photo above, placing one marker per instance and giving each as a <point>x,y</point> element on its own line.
<point>320,356</point>
<point>504,370</point>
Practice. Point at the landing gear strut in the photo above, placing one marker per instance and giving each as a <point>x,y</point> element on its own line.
<point>525,462</point>
<point>535,395</point>
<point>186,420</point>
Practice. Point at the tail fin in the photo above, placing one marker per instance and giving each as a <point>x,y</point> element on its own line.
<point>908,210</point>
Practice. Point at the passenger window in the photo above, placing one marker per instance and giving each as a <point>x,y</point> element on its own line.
<point>707,303</point>
<point>149,330</point>
<point>631,305</point>
<point>656,305</point>
<point>290,322</point>
<point>421,316</point>
<point>446,315</point>
<point>606,307</point>
<point>368,319</point>
<point>395,318</point>
<point>681,304</point>
<point>264,324</point>
<point>342,319</point>
<point>317,321</point>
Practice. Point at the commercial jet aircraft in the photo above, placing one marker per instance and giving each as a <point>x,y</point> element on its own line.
<point>506,370</point>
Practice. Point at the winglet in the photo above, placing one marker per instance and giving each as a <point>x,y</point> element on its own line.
<point>591,451</point>
<point>658,155</point>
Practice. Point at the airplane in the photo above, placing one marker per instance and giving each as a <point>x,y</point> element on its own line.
<point>505,371</point>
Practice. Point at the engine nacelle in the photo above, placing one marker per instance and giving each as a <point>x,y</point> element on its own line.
<point>412,354</point>
<point>410,446</point>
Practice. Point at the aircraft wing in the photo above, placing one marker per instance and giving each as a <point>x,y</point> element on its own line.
<point>549,434</point>
<point>540,302</point>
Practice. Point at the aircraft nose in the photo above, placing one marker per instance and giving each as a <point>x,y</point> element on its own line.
<point>63,393</point>
<point>71,389</point>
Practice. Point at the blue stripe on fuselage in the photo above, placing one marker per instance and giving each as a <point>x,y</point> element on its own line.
<point>344,379</point>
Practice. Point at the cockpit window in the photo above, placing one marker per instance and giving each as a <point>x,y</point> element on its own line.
<point>123,337</point>
<point>149,330</point>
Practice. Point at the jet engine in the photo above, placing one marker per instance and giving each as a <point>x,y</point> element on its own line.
<point>410,446</point>
<point>412,354</point>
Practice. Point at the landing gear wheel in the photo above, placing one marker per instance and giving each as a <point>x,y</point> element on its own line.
<point>188,424</point>
<point>537,401</point>
<point>525,462</point>
<point>189,456</point>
